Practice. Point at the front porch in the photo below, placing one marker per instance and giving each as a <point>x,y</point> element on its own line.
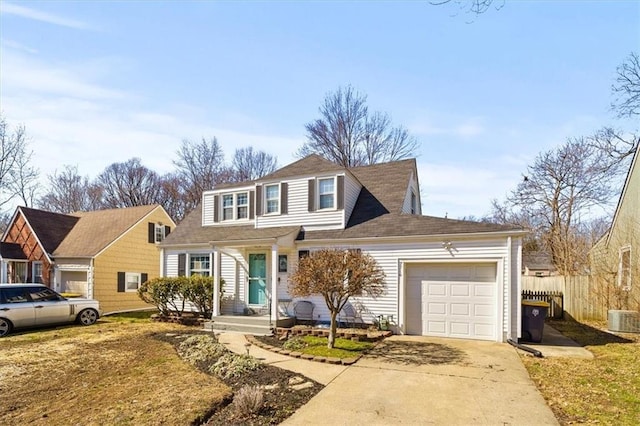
<point>248,324</point>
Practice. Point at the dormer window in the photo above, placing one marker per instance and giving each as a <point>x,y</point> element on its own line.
<point>235,206</point>
<point>242,209</point>
<point>326,193</point>
<point>272,199</point>
<point>227,207</point>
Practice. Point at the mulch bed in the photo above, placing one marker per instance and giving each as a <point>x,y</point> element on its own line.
<point>281,401</point>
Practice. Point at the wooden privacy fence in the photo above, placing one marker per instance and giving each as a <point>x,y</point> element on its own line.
<point>581,298</point>
<point>555,299</point>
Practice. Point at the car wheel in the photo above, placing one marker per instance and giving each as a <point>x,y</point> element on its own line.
<point>5,327</point>
<point>88,316</point>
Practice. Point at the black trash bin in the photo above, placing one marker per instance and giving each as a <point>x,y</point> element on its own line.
<point>533,314</point>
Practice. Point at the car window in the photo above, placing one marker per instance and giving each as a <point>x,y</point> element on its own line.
<point>13,295</point>
<point>40,294</point>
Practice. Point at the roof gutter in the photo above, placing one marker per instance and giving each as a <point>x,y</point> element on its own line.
<point>431,237</point>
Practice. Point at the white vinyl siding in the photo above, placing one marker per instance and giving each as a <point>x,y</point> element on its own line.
<point>392,257</point>
<point>412,189</point>
<point>351,192</point>
<point>207,209</point>
<point>298,214</point>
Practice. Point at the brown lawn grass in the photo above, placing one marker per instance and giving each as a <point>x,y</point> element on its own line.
<point>604,390</point>
<point>114,372</point>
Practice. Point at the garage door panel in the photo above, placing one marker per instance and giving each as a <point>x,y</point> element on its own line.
<point>483,310</point>
<point>436,308</point>
<point>460,329</point>
<point>484,330</point>
<point>437,327</point>
<point>454,300</point>
<point>486,290</point>
<point>437,290</point>
<point>460,290</point>
<point>460,309</point>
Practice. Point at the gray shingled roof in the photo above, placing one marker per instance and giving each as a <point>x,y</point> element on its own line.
<point>377,212</point>
<point>50,228</point>
<point>95,230</point>
<point>308,166</point>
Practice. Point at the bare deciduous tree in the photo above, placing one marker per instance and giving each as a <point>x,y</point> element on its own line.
<point>626,87</point>
<point>69,192</point>
<point>17,177</point>
<point>172,196</point>
<point>347,134</point>
<point>248,164</point>
<point>129,184</point>
<point>337,275</point>
<point>200,167</point>
<point>561,185</point>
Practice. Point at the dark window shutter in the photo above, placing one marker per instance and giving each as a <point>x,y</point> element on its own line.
<point>340,193</point>
<point>167,230</point>
<point>152,232</point>
<point>144,278</point>
<point>182,264</point>
<point>121,279</point>
<point>312,195</point>
<point>252,204</point>
<point>216,212</point>
<point>284,196</point>
<point>259,200</point>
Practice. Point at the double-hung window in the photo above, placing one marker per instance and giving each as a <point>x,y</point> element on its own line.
<point>199,264</point>
<point>36,272</point>
<point>242,205</point>
<point>272,196</point>
<point>235,206</point>
<point>132,281</point>
<point>326,192</point>
<point>159,233</point>
<point>624,272</point>
<point>227,207</point>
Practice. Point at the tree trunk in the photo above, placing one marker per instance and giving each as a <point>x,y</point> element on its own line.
<point>332,330</point>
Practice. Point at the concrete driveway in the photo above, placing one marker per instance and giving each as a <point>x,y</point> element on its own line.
<point>424,380</point>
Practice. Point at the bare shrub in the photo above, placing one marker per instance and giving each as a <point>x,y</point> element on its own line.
<point>248,400</point>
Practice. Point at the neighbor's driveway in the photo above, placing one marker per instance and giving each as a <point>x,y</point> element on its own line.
<point>423,380</point>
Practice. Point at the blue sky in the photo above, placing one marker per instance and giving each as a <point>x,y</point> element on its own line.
<point>101,82</point>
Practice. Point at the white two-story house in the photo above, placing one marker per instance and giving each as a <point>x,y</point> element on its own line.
<point>444,277</point>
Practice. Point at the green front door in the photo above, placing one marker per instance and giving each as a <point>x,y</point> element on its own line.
<point>257,279</point>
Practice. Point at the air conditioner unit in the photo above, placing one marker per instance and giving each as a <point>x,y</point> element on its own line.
<point>624,321</point>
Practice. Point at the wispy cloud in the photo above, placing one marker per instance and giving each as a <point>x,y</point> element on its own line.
<point>11,44</point>
<point>36,15</point>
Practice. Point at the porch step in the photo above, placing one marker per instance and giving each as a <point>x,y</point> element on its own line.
<point>258,324</point>
<point>244,324</point>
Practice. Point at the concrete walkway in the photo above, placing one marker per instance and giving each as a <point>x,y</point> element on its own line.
<point>555,344</point>
<point>320,372</point>
<point>417,380</point>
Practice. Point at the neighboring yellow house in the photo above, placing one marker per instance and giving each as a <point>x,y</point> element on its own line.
<point>109,253</point>
<point>615,259</point>
<point>102,254</point>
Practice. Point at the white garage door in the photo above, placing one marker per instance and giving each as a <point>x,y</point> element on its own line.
<point>452,300</point>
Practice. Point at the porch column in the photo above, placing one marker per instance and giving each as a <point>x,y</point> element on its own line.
<point>274,283</point>
<point>216,281</point>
